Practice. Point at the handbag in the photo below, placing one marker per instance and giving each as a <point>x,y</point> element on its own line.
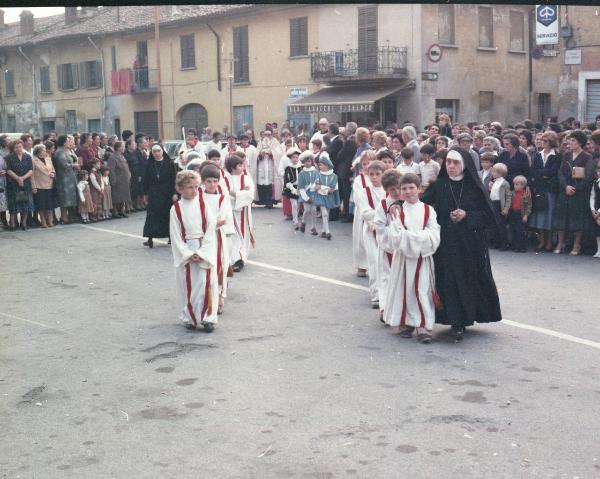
<point>578,173</point>
<point>540,202</point>
<point>21,196</point>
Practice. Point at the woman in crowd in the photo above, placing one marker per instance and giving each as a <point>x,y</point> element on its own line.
<point>65,181</point>
<point>463,272</point>
<point>3,167</point>
<point>159,190</point>
<point>575,176</point>
<point>544,171</point>
<point>42,183</point>
<point>526,142</point>
<point>130,155</point>
<point>19,192</point>
<point>515,160</point>
<point>120,180</point>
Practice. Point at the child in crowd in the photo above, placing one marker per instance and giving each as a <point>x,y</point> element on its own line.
<point>390,181</point>
<point>215,157</point>
<point>487,162</point>
<point>241,191</point>
<point>387,157</point>
<point>290,180</point>
<point>358,244</point>
<point>317,144</point>
<point>328,195</point>
<point>407,165</point>
<point>501,197</point>
<point>96,189</point>
<point>220,206</point>
<point>414,235</point>
<point>194,247</point>
<point>366,202</point>
<point>521,207</point>
<point>107,204</point>
<point>306,189</point>
<point>429,168</point>
<point>86,205</point>
<point>595,207</point>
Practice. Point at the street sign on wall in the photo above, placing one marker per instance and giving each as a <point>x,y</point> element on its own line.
<point>546,24</point>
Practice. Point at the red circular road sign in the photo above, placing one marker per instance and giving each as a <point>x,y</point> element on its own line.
<point>434,53</point>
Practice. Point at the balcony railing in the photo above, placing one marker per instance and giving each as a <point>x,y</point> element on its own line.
<point>349,65</point>
<point>134,81</point>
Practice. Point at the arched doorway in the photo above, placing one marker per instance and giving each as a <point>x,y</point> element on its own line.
<point>193,115</point>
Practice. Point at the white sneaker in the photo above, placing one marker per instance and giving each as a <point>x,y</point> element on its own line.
<point>597,255</point>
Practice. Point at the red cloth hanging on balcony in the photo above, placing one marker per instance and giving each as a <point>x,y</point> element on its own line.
<point>121,82</point>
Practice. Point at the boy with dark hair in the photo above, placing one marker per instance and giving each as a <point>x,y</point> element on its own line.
<point>407,164</point>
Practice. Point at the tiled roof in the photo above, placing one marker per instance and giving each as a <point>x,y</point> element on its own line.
<point>109,20</point>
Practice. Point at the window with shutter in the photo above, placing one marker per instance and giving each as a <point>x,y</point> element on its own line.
<point>9,83</point>
<point>45,79</point>
<point>367,38</point>
<point>113,58</point>
<point>68,76</point>
<point>486,27</point>
<point>146,122</point>
<point>517,31</point>
<point>188,51</point>
<point>241,70</point>
<point>298,37</point>
<point>11,123</point>
<point>70,121</point>
<point>446,24</point>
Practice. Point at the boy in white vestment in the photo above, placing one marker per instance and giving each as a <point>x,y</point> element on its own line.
<point>241,192</point>
<point>194,247</point>
<point>220,205</point>
<point>366,203</point>
<point>390,181</point>
<point>414,235</point>
<point>358,245</point>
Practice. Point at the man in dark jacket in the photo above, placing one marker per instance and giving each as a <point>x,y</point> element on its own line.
<point>335,146</point>
<point>343,163</point>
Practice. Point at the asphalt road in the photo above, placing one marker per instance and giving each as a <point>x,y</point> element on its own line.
<point>299,380</point>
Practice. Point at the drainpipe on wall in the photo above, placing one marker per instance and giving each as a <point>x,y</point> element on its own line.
<point>218,56</point>
<point>33,76</point>
<point>103,119</point>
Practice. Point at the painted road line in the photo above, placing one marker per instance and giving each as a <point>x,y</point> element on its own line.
<point>12,316</point>
<point>324,279</point>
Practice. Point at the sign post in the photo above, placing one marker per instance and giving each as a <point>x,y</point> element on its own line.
<point>546,24</point>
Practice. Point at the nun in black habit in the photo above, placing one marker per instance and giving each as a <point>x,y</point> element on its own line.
<point>159,188</point>
<point>463,272</point>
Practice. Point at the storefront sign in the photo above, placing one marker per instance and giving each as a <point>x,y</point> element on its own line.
<point>546,24</point>
<point>337,108</point>
<point>297,93</point>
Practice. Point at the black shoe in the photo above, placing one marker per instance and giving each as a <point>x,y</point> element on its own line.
<point>238,266</point>
<point>208,327</point>
<point>407,332</point>
<point>303,227</point>
<point>458,333</point>
<point>149,243</point>
<point>323,234</point>
<point>328,236</point>
<point>124,216</point>
<point>189,326</point>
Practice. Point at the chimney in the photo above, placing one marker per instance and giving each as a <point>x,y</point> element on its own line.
<point>70,14</point>
<point>26,22</point>
<point>1,18</point>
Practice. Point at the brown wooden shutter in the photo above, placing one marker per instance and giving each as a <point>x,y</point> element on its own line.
<point>241,70</point>
<point>59,77</point>
<point>367,38</point>
<point>298,37</point>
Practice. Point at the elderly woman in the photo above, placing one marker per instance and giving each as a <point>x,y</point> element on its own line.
<point>441,143</point>
<point>544,171</point>
<point>463,273</point>
<point>120,178</point>
<point>575,177</point>
<point>3,201</point>
<point>159,191</point>
<point>379,141</point>
<point>42,183</point>
<point>409,135</point>
<point>65,181</point>
<point>19,194</point>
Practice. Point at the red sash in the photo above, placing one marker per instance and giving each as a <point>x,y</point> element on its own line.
<point>226,180</point>
<point>363,181</point>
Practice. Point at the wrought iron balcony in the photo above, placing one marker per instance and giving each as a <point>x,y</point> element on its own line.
<point>144,81</point>
<point>351,65</point>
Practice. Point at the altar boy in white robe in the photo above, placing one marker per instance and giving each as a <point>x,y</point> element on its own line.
<point>414,236</point>
<point>366,201</point>
<point>241,192</point>
<point>358,244</point>
<point>390,181</point>
<point>194,246</point>
<point>220,205</point>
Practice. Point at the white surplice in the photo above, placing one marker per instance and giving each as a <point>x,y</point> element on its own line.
<point>196,284</point>
<point>384,260</point>
<point>366,206</point>
<point>242,216</point>
<point>358,246</point>
<point>410,294</point>
<point>220,205</point>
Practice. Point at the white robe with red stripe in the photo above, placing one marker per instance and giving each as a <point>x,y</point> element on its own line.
<point>194,231</point>
<point>384,260</point>
<point>358,244</point>
<point>409,299</point>
<point>220,207</point>
<point>243,186</point>
<point>366,201</point>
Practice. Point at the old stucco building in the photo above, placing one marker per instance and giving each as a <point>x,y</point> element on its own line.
<point>97,69</point>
